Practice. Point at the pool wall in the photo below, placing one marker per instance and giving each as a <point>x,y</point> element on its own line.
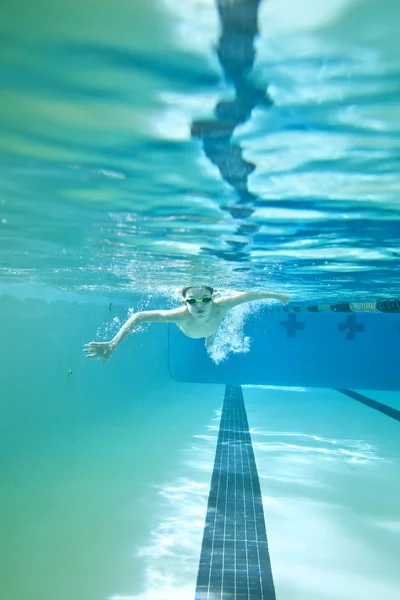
<point>326,350</point>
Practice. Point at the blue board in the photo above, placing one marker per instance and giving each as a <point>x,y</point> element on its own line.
<point>335,350</point>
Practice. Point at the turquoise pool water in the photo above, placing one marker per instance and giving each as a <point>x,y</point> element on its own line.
<point>103,187</point>
<point>131,165</point>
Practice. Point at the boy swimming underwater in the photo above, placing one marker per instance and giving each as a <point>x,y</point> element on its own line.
<point>200,317</point>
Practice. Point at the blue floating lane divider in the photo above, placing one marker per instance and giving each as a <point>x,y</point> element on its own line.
<point>234,560</point>
<point>383,408</point>
<point>377,306</point>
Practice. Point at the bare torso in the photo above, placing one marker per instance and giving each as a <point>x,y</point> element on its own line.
<point>199,326</point>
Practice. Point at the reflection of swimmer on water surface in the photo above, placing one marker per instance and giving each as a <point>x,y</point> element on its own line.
<point>200,317</point>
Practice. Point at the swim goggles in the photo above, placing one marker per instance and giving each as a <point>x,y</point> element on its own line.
<point>205,300</point>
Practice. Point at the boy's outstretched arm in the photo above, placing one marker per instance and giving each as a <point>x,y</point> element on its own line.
<point>243,297</point>
<point>105,349</point>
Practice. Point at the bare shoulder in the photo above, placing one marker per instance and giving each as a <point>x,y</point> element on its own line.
<point>220,301</point>
<point>222,304</point>
<point>176,315</point>
<point>225,302</point>
<point>173,315</point>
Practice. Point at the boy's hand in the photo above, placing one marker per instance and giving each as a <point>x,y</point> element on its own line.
<point>99,350</point>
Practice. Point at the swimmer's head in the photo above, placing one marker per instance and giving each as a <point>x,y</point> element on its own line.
<point>198,299</point>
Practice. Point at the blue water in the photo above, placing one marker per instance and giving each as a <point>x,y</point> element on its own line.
<point>119,185</point>
<point>103,187</point>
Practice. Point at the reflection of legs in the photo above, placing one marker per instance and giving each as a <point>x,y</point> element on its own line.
<point>210,340</point>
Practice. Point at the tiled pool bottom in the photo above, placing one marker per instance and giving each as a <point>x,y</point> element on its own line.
<point>234,560</point>
<point>329,473</point>
<point>118,510</point>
